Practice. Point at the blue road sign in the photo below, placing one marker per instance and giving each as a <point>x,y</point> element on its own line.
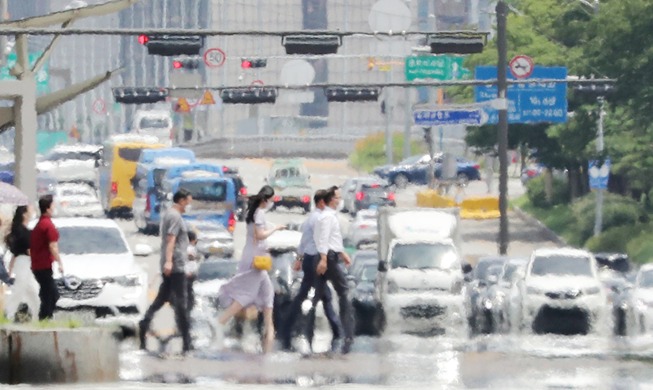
<point>533,102</point>
<point>444,117</point>
<point>599,174</point>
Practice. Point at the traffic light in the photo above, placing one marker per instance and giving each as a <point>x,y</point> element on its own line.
<point>252,63</point>
<point>311,44</point>
<point>456,43</point>
<point>251,95</point>
<point>341,94</point>
<point>172,45</point>
<point>139,95</point>
<point>188,63</point>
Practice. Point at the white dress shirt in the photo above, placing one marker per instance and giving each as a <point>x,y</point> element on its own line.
<point>307,243</point>
<point>327,232</point>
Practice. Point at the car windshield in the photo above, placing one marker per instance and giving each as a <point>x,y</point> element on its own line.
<point>646,279</point>
<point>62,156</point>
<point>423,256</point>
<point>411,160</point>
<point>482,268</point>
<point>211,270</point>
<point>90,240</point>
<point>154,123</point>
<point>368,273</point>
<point>561,265</point>
<point>206,190</point>
<point>130,154</point>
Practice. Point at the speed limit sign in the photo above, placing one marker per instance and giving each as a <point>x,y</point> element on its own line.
<point>214,58</point>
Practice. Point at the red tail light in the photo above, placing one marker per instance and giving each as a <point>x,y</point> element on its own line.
<point>359,196</point>
<point>476,166</point>
<point>148,204</point>
<point>306,199</point>
<point>243,191</point>
<point>391,196</point>
<point>232,222</point>
<point>375,186</point>
<point>114,187</point>
<point>277,198</point>
<point>363,226</point>
<point>225,168</point>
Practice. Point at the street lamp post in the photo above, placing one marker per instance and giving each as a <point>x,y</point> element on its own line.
<point>502,84</point>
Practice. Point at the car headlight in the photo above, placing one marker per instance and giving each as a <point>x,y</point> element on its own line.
<point>125,281</point>
<point>533,290</point>
<point>592,290</point>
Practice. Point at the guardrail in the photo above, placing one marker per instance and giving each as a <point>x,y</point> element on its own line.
<point>327,146</point>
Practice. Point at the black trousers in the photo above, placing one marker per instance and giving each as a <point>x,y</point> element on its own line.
<point>336,276</point>
<point>48,293</point>
<point>190,294</point>
<point>173,289</point>
<point>309,264</point>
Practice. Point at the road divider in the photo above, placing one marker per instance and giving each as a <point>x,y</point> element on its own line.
<point>479,207</point>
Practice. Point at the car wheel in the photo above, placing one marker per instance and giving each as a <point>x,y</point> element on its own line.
<point>401,181</point>
<point>379,322</point>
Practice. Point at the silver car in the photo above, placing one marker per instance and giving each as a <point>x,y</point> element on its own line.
<point>213,239</point>
<point>363,229</point>
<point>76,200</point>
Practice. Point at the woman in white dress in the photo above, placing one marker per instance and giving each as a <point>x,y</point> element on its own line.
<point>250,286</point>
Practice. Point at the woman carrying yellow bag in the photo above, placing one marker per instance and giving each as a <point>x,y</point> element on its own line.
<point>251,286</point>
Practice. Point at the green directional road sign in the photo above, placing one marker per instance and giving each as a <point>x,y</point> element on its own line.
<point>435,68</point>
<point>42,76</point>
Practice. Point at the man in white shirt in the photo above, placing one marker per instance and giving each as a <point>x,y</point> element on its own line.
<point>307,260</point>
<point>328,239</point>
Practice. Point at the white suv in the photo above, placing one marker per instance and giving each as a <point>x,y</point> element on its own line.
<point>561,292</point>
<point>101,272</point>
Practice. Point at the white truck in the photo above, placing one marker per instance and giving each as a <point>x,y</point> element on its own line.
<point>420,277</point>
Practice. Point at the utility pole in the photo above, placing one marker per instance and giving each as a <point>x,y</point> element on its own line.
<point>3,39</point>
<point>502,47</point>
<point>598,221</point>
<point>388,116</point>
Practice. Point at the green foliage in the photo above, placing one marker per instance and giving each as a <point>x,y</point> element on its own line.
<point>640,248</point>
<point>617,211</point>
<point>370,151</point>
<point>558,218</point>
<point>615,239</point>
<point>537,195</point>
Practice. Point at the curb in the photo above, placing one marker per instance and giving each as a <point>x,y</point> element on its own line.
<point>551,235</point>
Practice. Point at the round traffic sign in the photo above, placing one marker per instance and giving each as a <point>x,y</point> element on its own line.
<point>99,106</point>
<point>522,66</point>
<point>214,57</point>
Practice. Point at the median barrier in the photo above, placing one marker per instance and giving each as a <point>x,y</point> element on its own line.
<point>81,355</point>
<point>431,198</point>
<point>486,207</point>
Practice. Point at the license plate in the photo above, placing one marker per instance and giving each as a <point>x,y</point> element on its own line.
<point>290,199</point>
<point>215,250</point>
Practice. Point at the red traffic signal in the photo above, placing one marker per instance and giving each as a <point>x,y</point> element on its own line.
<point>177,64</point>
<point>143,39</point>
<point>245,64</point>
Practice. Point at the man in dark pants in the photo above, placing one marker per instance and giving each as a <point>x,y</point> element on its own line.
<point>307,260</point>
<point>44,250</point>
<point>174,255</point>
<point>328,239</point>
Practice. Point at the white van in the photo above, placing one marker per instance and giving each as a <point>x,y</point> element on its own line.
<point>157,123</point>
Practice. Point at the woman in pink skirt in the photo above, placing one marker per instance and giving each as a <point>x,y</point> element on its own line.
<point>250,286</point>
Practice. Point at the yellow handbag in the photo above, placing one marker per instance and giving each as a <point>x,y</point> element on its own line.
<point>263,263</point>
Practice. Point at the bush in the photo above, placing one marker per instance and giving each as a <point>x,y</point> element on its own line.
<point>615,239</point>
<point>537,194</point>
<point>369,152</point>
<point>640,249</point>
<point>617,211</point>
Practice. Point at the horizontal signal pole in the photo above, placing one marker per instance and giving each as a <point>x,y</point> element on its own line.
<point>208,32</point>
<point>433,83</point>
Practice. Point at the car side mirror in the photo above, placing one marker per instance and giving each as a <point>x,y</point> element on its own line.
<point>467,268</point>
<point>383,266</point>
<point>142,250</point>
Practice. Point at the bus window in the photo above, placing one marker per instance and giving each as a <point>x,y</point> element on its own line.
<point>212,192</point>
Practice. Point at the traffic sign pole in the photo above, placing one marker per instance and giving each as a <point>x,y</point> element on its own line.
<point>502,84</point>
<point>598,221</point>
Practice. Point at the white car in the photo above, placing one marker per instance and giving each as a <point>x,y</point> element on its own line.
<point>72,163</point>
<point>76,200</point>
<point>213,239</point>
<point>561,292</point>
<point>100,270</point>
<point>642,295</point>
<point>157,123</point>
<point>363,229</point>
